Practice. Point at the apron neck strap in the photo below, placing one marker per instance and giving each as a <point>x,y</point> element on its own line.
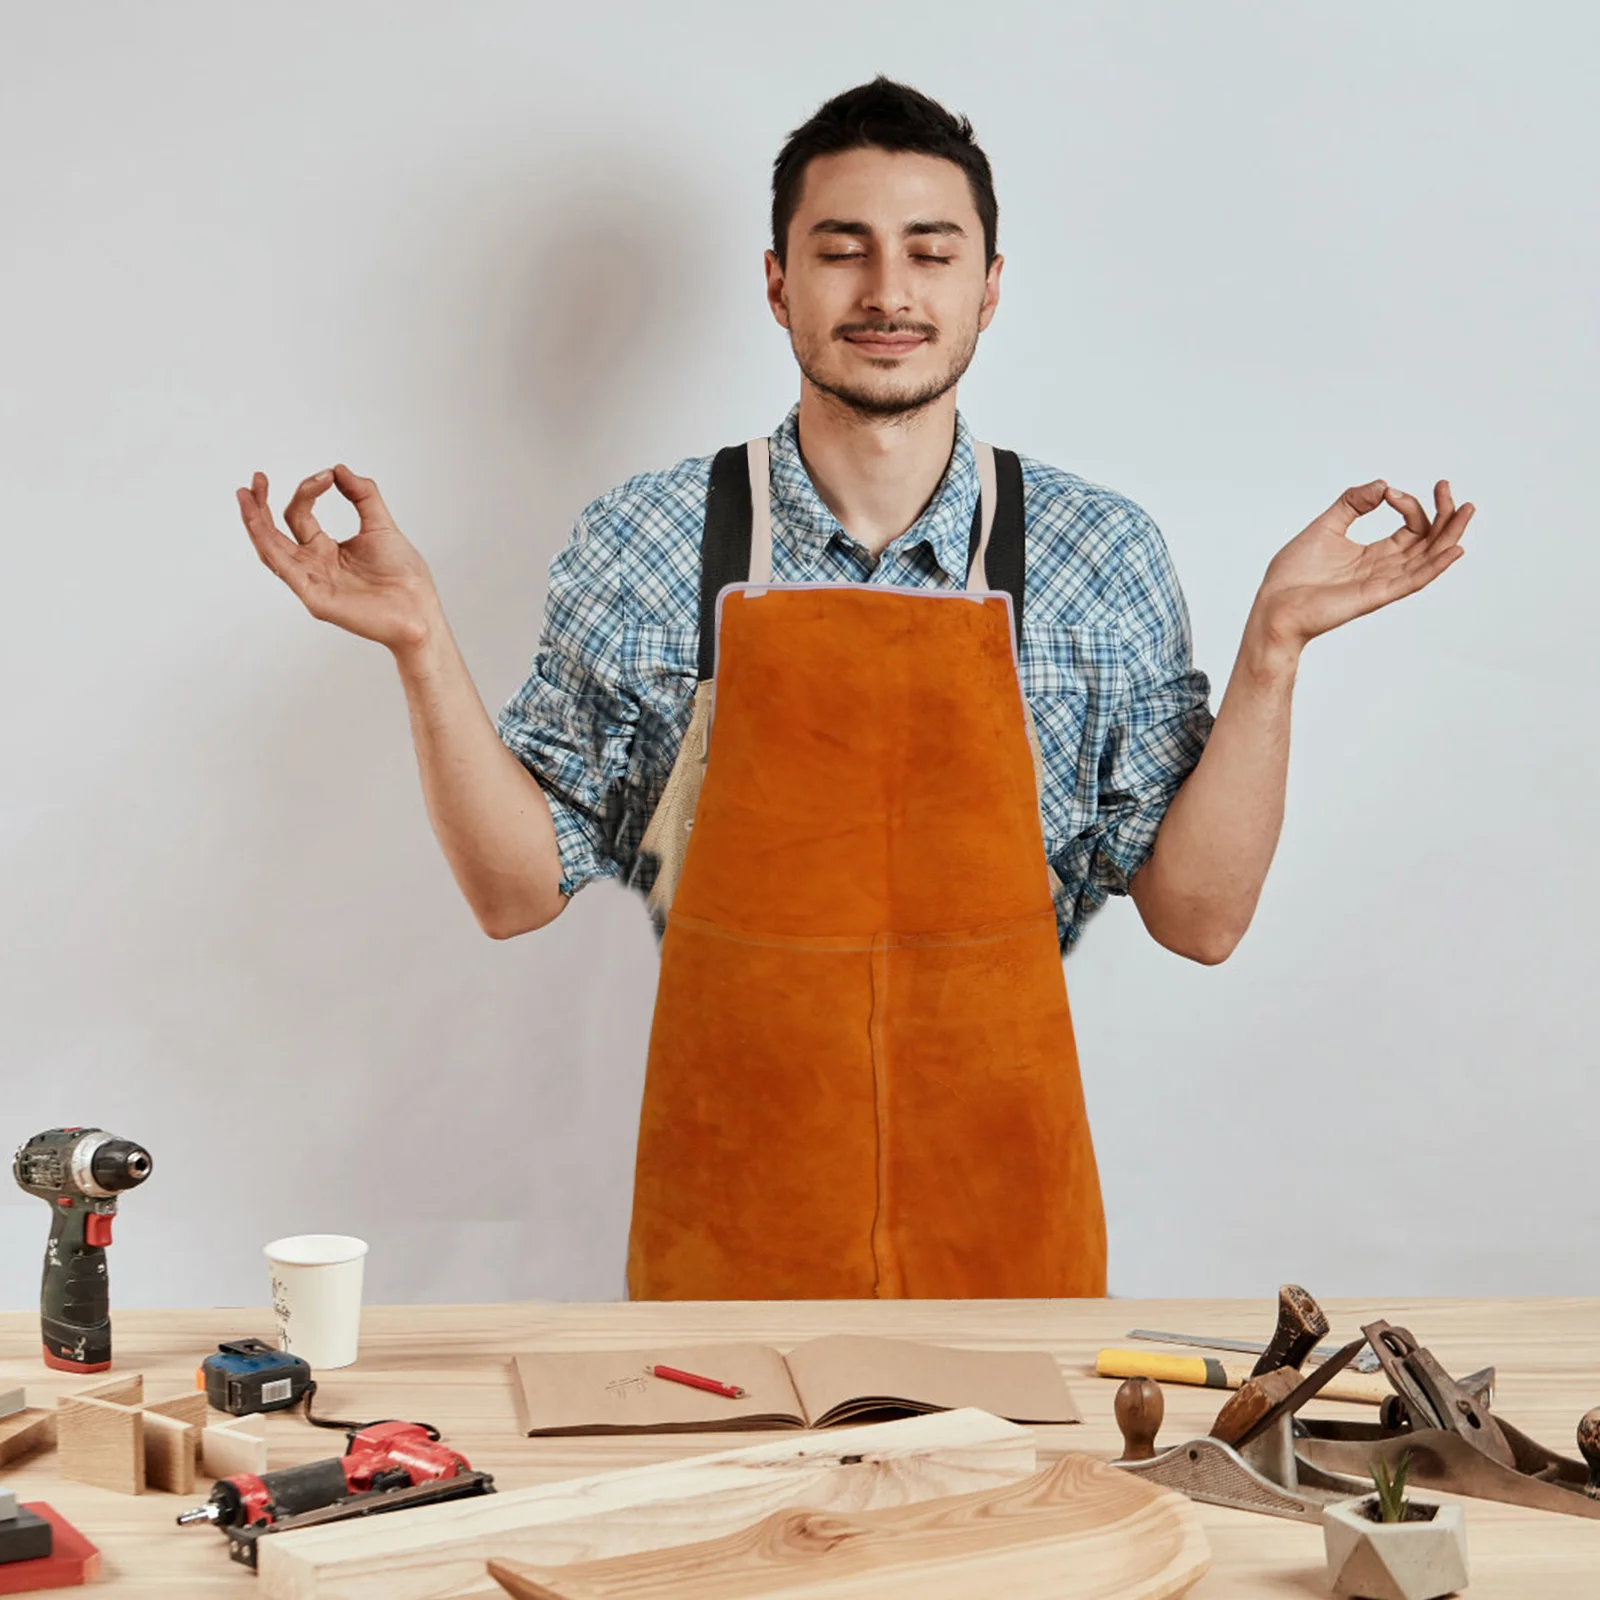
<point>736,545</point>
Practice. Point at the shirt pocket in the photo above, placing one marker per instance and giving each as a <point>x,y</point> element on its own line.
<point>1071,674</point>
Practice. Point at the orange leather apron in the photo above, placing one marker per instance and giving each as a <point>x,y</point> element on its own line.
<point>862,1077</point>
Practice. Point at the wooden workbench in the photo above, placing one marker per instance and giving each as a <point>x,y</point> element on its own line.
<point>447,1365</point>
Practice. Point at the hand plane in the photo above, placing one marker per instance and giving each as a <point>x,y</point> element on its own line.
<point>1261,1456</point>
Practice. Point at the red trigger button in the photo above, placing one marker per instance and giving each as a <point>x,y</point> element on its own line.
<point>97,1229</point>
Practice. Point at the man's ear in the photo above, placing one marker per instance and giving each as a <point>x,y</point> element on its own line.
<point>991,293</point>
<point>778,305</point>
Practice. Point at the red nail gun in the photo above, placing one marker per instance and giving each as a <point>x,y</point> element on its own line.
<point>387,1467</point>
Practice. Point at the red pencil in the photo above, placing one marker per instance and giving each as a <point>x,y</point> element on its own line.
<point>695,1381</point>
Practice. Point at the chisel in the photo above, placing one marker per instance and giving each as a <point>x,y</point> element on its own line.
<point>1209,1373</point>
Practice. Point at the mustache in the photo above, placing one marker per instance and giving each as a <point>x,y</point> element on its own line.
<point>923,330</point>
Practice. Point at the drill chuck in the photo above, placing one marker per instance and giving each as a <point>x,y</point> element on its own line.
<point>119,1164</point>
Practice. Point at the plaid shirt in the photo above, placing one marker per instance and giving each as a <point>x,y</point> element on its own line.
<point>1105,663</point>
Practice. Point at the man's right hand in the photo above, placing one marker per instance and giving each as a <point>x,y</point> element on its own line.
<point>374,583</point>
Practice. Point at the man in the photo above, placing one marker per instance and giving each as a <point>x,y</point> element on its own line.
<point>862,1076</point>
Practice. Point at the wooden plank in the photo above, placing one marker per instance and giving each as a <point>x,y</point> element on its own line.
<point>237,1445</point>
<point>101,1443</point>
<point>439,1551</point>
<point>126,1389</point>
<point>171,1452</point>
<point>1071,1532</point>
<point>26,1431</point>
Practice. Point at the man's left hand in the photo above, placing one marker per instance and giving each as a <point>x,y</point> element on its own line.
<point>1323,578</point>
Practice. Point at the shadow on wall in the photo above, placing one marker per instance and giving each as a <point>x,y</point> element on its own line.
<point>275,905</point>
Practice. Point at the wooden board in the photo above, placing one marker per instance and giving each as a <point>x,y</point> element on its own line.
<point>236,1444</point>
<point>25,1431</point>
<point>1078,1529</point>
<point>438,1551</point>
<point>102,1443</point>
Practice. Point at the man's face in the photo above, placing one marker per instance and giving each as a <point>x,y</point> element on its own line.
<point>885,289</point>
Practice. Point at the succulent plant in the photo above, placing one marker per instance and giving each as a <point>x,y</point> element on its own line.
<point>1390,1483</point>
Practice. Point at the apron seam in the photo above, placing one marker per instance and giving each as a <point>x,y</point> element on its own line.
<point>875,1044</point>
<point>848,944</point>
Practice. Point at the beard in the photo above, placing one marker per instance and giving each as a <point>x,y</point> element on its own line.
<point>892,395</point>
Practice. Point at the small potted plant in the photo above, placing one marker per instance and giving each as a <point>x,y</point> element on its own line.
<point>1387,1546</point>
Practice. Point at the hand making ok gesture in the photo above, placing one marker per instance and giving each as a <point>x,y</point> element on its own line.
<point>1323,578</point>
<point>374,583</point>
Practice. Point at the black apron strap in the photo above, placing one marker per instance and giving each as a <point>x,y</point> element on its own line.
<point>1004,562</point>
<point>725,540</point>
<point>724,543</point>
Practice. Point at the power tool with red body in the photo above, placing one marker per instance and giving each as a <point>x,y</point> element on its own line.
<point>386,1467</point>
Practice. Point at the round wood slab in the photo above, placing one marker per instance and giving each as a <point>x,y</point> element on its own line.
<point>1078,1530</point>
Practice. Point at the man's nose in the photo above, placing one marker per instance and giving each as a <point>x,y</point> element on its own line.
<point>888,288</point>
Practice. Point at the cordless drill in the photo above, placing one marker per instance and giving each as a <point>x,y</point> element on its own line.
<point>387,1465</point>
<point>79,1172</point>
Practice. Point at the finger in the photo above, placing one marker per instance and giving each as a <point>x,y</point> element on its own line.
<point>1448,532</point>
<point>277,550</point>
<point>1443,499</point>
<point>1419,576</point>
<point>1410,508</point>
<point>363,494</point>
<point>1354,502</point>
<point>298,513</point>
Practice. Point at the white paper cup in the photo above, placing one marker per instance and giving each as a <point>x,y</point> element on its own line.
<point>316,1295</point>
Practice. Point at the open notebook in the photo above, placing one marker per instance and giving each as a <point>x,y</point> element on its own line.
<point>820,1384</point>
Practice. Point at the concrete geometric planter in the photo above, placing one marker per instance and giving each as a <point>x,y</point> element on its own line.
<point>1413,1560</point>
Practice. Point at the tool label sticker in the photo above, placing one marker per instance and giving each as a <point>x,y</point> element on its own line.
<point>275,1390</point>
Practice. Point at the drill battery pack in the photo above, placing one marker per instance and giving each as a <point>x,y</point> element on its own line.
<point>247,1375</point>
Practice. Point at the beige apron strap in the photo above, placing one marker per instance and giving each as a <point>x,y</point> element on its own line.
<point>984,455</point>
<point>760,513</point>
<point>667,836</point>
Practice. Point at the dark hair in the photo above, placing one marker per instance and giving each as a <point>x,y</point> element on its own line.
<point>881,115</point>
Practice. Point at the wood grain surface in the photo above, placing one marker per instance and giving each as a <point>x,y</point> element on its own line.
<point>449,1365</point>
<point>441,1551</point>
<point>1078,1530</point>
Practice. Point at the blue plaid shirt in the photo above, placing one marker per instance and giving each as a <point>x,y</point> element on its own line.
<point>1120,710</point>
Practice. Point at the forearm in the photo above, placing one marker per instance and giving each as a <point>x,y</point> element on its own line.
<point>488,811</point>
<point>1198,890</point>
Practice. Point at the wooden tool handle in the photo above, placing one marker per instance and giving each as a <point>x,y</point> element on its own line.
<point>1251,1401</point>
<point>1300,1325</point>
<point>1139,1408</point>
<point>1368,1389</point>
<point>1589,1449</point>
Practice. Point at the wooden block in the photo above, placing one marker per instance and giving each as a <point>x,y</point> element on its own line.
<point>12,1401</point>
<point>72,1561</point>
<point>102,1443</point>
<point>126,1390</point>
<point>237,1445</point>
<point>189,1408</point>
<point>26,1431</point>
<point>8,1505</point>
<point>171,1453</point>
<point>440,1551</point>
<point>1070,1532</point>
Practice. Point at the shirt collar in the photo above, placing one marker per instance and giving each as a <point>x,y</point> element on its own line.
<point>945,524</point>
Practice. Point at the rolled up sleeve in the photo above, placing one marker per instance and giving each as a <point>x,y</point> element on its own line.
<point>572,722</point>
<point>1162,718</point>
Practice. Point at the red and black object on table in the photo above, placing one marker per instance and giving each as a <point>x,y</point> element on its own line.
<point>71,1559</point>
<point>387,1466</point>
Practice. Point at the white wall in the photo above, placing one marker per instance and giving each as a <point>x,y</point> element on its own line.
<point>501,256</point>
